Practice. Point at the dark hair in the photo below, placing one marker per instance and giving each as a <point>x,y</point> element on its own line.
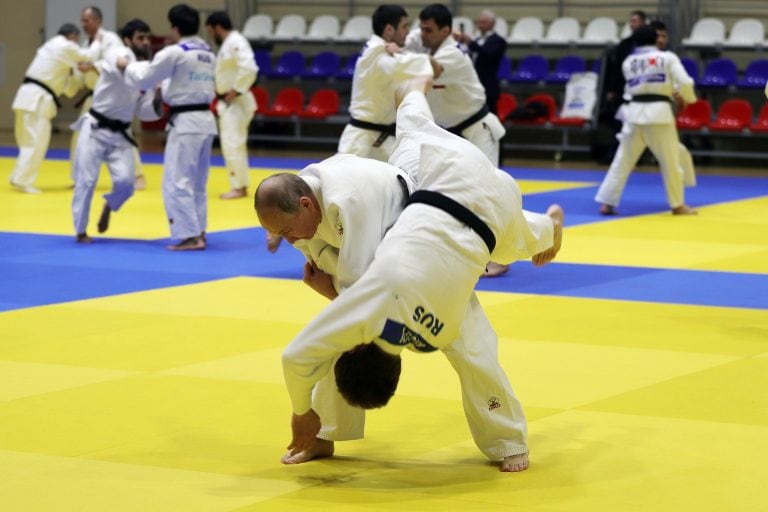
<point>133,26</point>
<point>639,14</point>
<point>68,29</point>
<point>185,18</point>
<point>658,25</point>
<point>367,376</point>
<point>387,15</point>
<point>281,191</point>
<point>439,13</point>
<point>95,11</point>
<point>219,18</point>
<point>644,36</point>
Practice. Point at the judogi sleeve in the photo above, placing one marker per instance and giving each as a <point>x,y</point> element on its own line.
<point>681,79</point>
<point>404,65</point>
<point>455,64</point>
<point>246,67</point>
<point>146,75</point>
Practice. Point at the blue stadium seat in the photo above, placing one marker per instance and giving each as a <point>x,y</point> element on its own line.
<point>719,73</point>
<point>691,67</point>
<point>324,65</point>
<point>756,75</point>
<point>597,64</point>
<point>505,69</point>
<point>565,67</point>
<point>289,65</point>
<point>532,69</point>
<point>264,61</point>
<point>349,67</point>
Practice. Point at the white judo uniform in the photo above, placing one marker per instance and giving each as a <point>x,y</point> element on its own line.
<point>650,122</point>
<point>55,66</point>
<point>235,70</point>
<point>377,74</point>
<point>117,99</point>
<point>457,96</point>
<point>189,65</point>
<point>417,292</point>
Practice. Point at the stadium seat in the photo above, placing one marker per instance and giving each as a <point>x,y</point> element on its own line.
<point>357,28</point>
<point>263,61</point>
<point>323,28</point>
<point>564,30</point>
<point>501,27</point>
<point>600,30</point>
<point>506,104</point>
<point>626,31</point>
<point>290,27</point>
<point>323,103</point>
<point>719,73</point>
<point>532,69</point>
<point>691,67</point>
<point>464,24</point>
<point>548,101</point>
<point>761,123</point>
<point>526,30</point>
<point>733,116</point>
<point>261,95</point>
<point>349,67</point>
<point>289,101</point>
<point>756,75</point>
<point>706,32</point>
<point>289,65</point>
<point>258,26</point>
<point>505,69</point>
<point>746,33</point>
<point>565,67</point>
<point>597,66</point>
<point>324,65</point>
<point>695,115</point>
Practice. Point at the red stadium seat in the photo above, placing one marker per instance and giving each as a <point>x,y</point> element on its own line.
<point>261,96</point>
<point>548,101</point>
<point>568,121</point>
<point>505,105</point>
<point>289,101</point>
<point>733,116</point>
<point>324,103</point>
<point>761,124</point>
<point>695,115</point>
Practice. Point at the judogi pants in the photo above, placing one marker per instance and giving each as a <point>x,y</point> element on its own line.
<point>234,121</point>
<point>94,147</point>
<point>33,135</point>
<point>663,142</point>
<point>185,178</point>
<point>360,142</point>
<point>486,134</point>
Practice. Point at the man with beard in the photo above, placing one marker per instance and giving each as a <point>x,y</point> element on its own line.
<point>104,131</point>
<point>235,74</point>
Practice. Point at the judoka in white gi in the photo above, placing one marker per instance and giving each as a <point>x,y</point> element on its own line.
<point>52,72</point>
<point>405,289</point>
<point>235,75</point>
<point>91,20</point>
<point>457,98</point>
<point>382,66</point>
<point>652,76</point>
<point>189,65</point>
<point>105,133</point>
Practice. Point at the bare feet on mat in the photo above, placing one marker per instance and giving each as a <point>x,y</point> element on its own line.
<point>26,189</point>
<point>321,448</point>
<point>235,193</point>
<point>140,183</point>
<point>514,463</point>
<point>684,210</point>
<point>103,224</point>
<point>193,243</point>
<point>273,242</point>
<point>83,238</point>
<point>556,212</point>
<point>495,269</point>
<point>607,209</point>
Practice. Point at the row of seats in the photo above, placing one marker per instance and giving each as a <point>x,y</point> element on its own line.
<point>746,32</point>
<point>290,101</point>
<point>723,73</point>
<point>292,64</point>
<point>734,115</point>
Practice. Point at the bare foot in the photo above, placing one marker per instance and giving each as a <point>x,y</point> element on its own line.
<point>514,463</point>
<point>417,83</point>
<point>607,209</point>
<point>684,210</point>
<point>495,269</point>
<point>556,212</point>
<point>273,242</point>
<point>321,448</point>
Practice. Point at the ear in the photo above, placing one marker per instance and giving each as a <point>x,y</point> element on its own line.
<point>306,203</point>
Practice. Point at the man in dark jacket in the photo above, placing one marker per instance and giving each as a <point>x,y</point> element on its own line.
<point>486,51</point>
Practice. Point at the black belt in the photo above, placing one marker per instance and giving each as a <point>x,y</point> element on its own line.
<point>650,98</point>
<point>404,187</point>
<point>469,121</point>
<point>457,211</point>
<point>114,125</point>
<point>385,129</point>
<point>192,107</point>
<point>28,80</point>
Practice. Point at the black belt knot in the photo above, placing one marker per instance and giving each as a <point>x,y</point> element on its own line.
<point>114,125</point>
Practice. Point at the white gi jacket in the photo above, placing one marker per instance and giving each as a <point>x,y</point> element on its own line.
<point>53,65</point>
<point>109,41</point>
<point>189,65</point>
<point>235,65</point>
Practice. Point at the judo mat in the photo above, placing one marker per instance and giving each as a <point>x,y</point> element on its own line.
<point>133,378</point>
